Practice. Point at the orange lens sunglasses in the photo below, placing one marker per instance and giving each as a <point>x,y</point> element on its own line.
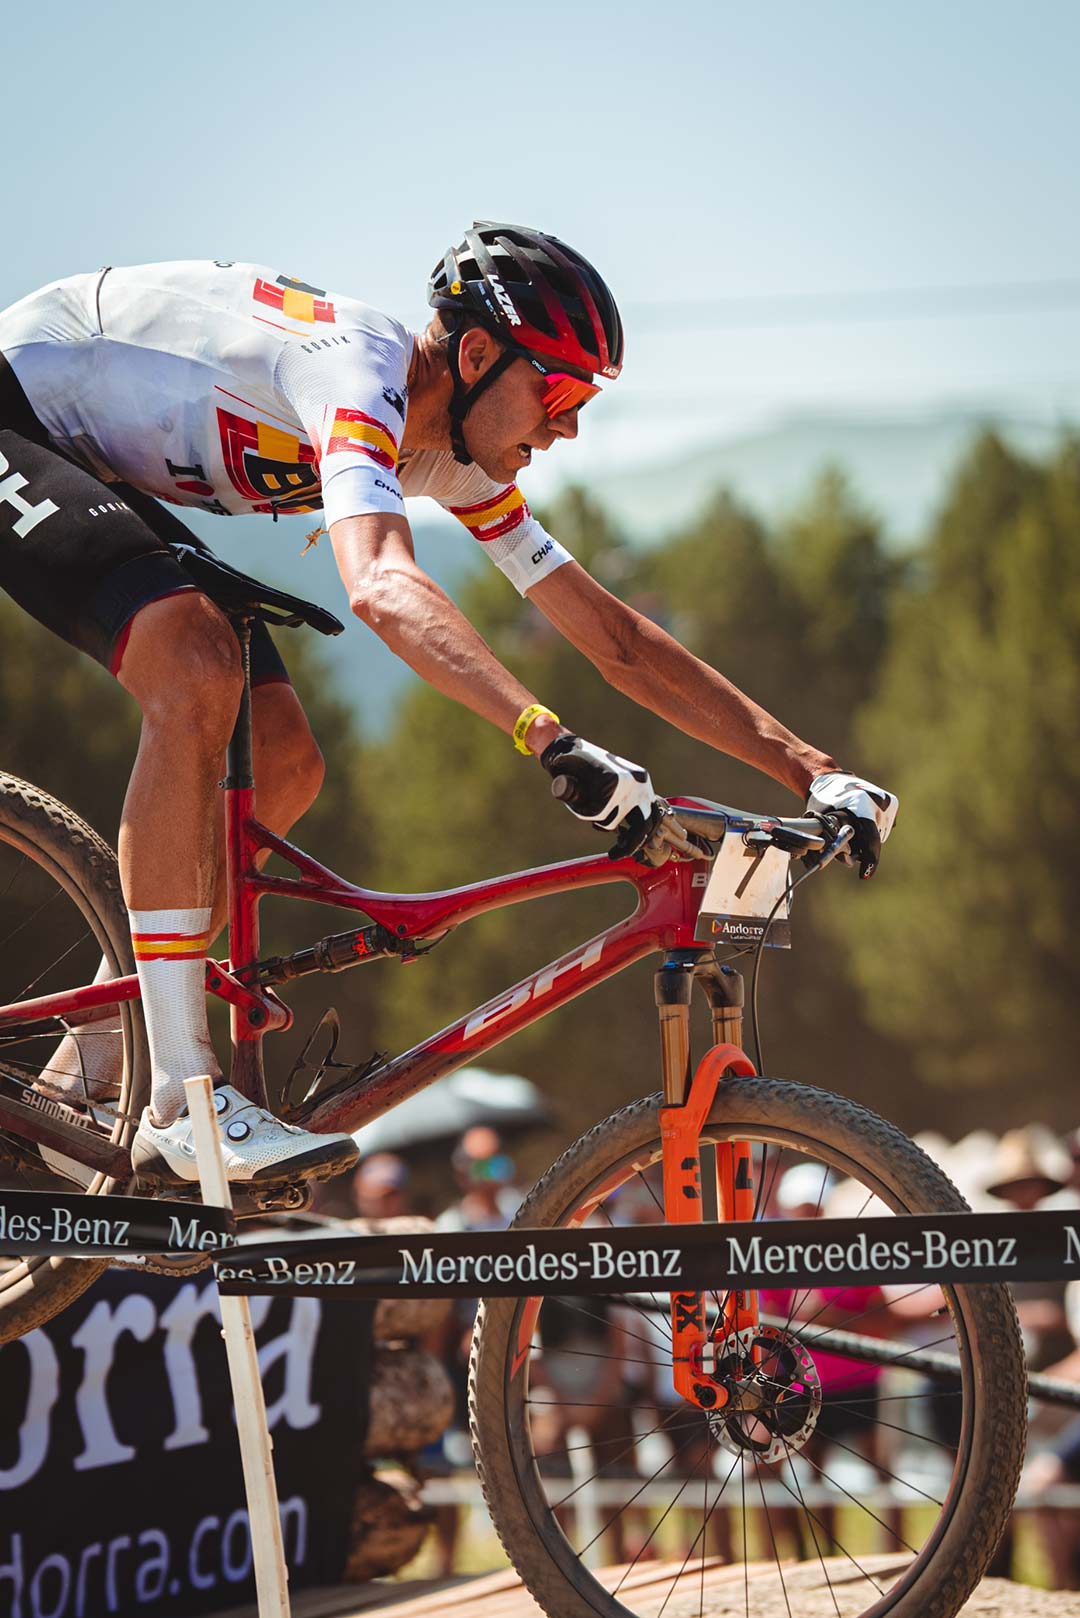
<point>563,392</point>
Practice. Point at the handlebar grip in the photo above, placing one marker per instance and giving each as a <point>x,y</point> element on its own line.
<point>566,790</point>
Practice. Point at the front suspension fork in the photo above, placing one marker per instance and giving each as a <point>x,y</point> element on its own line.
<point>687,1103</point>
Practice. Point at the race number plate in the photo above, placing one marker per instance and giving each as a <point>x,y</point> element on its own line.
<point>742,889</point>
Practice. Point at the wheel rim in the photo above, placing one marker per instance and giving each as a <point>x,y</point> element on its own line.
<point>804,1519</point>
<point>51,939</point>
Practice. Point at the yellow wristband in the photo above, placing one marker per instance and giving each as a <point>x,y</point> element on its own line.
<point>525,719</point>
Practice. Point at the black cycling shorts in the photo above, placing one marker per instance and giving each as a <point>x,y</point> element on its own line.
<point>84,557</point>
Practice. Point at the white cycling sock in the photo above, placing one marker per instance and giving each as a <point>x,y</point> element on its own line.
<point>170,958</point>
<point>88,1063</point>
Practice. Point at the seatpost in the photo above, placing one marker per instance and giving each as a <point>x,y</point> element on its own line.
<point>239,784</point>
<point>239,769</point>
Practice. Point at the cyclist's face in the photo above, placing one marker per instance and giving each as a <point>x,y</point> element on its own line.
<point>508,423</point>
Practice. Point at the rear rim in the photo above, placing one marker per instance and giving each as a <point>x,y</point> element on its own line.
<point>53,938</point>
<point>615,1475</point>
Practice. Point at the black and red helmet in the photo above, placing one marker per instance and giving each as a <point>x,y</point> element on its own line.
<point>533,292</point>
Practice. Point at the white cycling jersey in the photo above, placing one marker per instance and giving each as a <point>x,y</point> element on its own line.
<point>232,388</point>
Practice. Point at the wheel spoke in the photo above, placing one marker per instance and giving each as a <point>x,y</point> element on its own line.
<point>663,1483</point>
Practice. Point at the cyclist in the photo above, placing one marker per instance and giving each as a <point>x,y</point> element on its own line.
<point>230,388</point>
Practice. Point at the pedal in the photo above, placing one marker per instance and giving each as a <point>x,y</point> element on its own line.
<point>249,1202</point>
<point>252,1202</point>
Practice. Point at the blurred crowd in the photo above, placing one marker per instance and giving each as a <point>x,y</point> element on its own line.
<point>1024,1170</point>
<point>601,1379</point>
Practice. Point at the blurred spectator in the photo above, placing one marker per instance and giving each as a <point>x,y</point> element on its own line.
<point>1029,1167</point>
<point>1059,1529</point>
<point>485,1179</point>
<point>849,1425</point>
<point>380,1187</point>
<point>487,1201</point>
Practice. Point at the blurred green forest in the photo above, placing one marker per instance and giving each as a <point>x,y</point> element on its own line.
<point>944,993</point>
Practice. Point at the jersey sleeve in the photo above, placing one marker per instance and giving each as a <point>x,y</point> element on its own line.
<point>498,517</point>
<point>351,400</point>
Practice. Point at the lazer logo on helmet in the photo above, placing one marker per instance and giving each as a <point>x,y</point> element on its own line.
<point>504,301</point>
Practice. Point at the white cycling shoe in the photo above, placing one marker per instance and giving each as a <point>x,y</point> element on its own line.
<point>258,1148</point>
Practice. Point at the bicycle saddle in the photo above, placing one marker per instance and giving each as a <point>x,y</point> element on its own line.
<point>239,592</point>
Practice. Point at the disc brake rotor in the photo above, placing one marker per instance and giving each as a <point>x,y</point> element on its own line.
<point>774,1394</point>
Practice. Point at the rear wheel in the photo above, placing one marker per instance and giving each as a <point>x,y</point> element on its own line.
<point>62,921</point>
<point>853,1489</point>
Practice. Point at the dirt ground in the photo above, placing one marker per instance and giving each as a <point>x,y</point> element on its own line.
<point>998,1598</point>
<point>995,1598</point>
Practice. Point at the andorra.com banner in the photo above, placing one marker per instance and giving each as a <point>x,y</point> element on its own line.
<point>120,1483</point>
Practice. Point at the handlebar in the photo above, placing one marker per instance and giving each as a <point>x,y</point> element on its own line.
<point>801,834</point>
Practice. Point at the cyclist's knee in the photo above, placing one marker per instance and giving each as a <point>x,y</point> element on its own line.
<point>182,665</point>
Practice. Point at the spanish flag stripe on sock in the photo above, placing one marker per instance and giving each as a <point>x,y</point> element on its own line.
<point>170,946</point>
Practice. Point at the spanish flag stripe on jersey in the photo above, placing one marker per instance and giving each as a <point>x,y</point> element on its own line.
<point>170,946</point>
<point>514,520</point>
<point>360,433</point>
<point>494,517</point>
<point>353,430</point>
<point>486,505</point>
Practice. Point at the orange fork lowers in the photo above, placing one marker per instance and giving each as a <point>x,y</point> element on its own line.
<point>693,1349</point>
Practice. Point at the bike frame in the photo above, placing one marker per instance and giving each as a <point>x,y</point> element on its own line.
<point>665,918</point>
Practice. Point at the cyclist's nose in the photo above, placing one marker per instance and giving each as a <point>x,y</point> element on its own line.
<point>565,424</point>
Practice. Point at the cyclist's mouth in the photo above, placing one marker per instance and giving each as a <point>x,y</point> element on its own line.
<point>525,451</point>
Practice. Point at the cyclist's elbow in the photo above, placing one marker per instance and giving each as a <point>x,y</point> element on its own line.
<point>371,599</point>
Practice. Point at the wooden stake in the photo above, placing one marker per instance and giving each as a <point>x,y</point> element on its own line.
<point>256,1445</point>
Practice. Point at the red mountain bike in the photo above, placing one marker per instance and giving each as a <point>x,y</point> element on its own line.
<point>816,1452</point>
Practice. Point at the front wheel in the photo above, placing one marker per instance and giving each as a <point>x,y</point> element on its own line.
<point>857,1489</point>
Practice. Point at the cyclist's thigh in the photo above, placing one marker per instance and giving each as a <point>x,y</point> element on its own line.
<point>85,557</point>
<point>73,553</point>
<point>267,665</point>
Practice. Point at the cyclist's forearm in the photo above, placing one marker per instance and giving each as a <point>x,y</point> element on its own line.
<point>421,625</point>
<point>663,676</point>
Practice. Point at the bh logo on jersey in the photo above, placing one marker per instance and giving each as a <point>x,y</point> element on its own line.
<point>11,482</point>
<point>273,469</point>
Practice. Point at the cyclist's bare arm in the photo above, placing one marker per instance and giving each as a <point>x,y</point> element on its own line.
<point>391,593</point>
<point>643,661</point>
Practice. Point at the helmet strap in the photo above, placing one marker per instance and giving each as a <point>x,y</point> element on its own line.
<point>462,399</point>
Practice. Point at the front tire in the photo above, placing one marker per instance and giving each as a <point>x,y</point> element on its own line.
<point>938,1552</point>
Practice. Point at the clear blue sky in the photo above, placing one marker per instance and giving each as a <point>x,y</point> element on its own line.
<point>696,152</point>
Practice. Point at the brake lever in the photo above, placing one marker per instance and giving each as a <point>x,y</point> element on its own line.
<point>836,847</point>
<point>670,830</point>
<point>666,837</point>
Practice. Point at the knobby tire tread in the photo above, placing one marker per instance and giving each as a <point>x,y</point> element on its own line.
<point>999,1376</point>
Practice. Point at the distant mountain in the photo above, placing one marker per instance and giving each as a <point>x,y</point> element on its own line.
<point>898,466</point>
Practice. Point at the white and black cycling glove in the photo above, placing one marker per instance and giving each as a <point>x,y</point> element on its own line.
<point>870,809</point>
<point>609,791</point>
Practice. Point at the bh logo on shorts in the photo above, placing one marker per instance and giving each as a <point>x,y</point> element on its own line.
<point>29,516</point>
